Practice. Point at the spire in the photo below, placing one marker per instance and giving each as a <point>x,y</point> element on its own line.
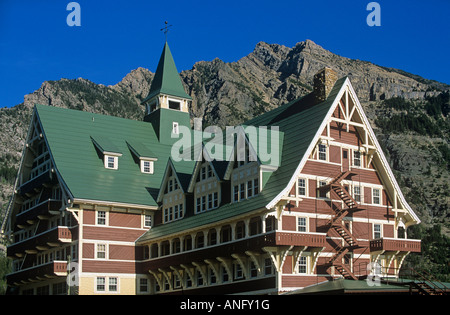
<point>167,80</point>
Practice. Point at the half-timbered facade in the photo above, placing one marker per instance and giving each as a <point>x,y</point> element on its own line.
<point>104,196</point>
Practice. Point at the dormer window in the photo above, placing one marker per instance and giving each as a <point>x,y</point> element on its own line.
<point>109,150</point>
<point>111,162</point>
<point>147,166</point>
<point>145,156</point>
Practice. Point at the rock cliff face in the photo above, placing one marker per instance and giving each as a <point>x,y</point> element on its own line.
<point>229,93</point>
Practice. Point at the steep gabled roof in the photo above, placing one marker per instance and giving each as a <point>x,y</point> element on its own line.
<point>299,122</point>
<point>166,79</point>
<point>69,135</point>
<point>182,173</point>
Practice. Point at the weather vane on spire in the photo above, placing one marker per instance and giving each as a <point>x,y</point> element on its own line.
<point>166,29</point>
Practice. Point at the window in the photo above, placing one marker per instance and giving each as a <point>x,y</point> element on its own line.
<point>255,186</point>
<point>210,201</point>
<point>376,231</point>
<point>302,187</point>
<point>111,162</point>
<point>203,173</point>
<point>101,217</point>
<point>212,276</point>
<point>356,158</point>
<point>357,193</point>
<point>199,278</point>
<point>143,285</point>
<point>238,274</point>
<point>178,211</point>
<point>322,192</point>
<point>203,203</point>
<point>302,264</point>
<point>112,285</point>
<point>175,129</point>
<point>210,172</point>
<point>101,251</point>
<point>249,188</point>
<point>268,267</point>
<point>301,224</point>
<point>322,152</point>
<point>199,206</point>
<point>147,167</point>
<point>174,105</point>
<point>215,200</point>
<point>101,282</point>
<point>147,220</point>
<point>242,191</point>
<point>225,277</point>
<point>376,196</point>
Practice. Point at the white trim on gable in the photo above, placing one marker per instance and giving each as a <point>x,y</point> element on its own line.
<point>346,86</point>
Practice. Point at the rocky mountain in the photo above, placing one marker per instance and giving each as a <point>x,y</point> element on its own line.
<point>402,108</point>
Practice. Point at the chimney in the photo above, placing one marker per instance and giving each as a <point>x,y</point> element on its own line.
<point>323,84</point>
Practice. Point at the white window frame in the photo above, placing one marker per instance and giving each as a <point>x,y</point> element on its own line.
<point>175,128</point>
<point>148,219</point>
<point>305,225</point>
<point>98,217</point>
<point>116,284</point>
<point>355,153</point>
<point>98,251</point>
<point>238,271</point>
<point>319,152</point>
<point>379,196</point>
<point>302,263</point>
<point>305,187</point>
<point>97,284</point>
<point>143,285</point>
<point>147,169</point>
<point>358,195</point>
<point>115,162</point>
<point>376,232</point>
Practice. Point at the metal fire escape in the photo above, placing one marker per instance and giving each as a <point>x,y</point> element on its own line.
<point>348,206</point>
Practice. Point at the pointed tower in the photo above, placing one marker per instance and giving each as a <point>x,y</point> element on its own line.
<point>167,102</point>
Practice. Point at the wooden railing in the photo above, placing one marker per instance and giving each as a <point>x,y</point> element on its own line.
<point>297,239</point>
<point>395,244</point>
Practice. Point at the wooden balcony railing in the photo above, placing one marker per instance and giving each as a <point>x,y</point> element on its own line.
<point>49,238</point>
<point>395,244</point>
<point>296,238</point>
<point>57,268</point>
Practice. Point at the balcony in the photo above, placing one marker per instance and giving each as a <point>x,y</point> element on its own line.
<point>38,273</point>
<point>35,181</point>
<point>395,244</point>
<point>43,209</point>
<point>309,239</point>
<point>43,241</point>
<point>254,244</point>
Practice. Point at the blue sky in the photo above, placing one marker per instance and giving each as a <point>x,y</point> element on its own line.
<point>115,37</point>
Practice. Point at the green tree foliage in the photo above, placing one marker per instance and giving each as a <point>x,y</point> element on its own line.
<point>5,268</point>
<point>435,255</point>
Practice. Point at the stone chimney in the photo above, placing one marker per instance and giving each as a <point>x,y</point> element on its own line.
<point>323,84</point>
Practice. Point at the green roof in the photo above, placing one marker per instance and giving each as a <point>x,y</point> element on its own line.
<point>70,135</point>
<point>298,122</point>
<point>346,286</point>
<point>167,80</point>
<point>77,150</point>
